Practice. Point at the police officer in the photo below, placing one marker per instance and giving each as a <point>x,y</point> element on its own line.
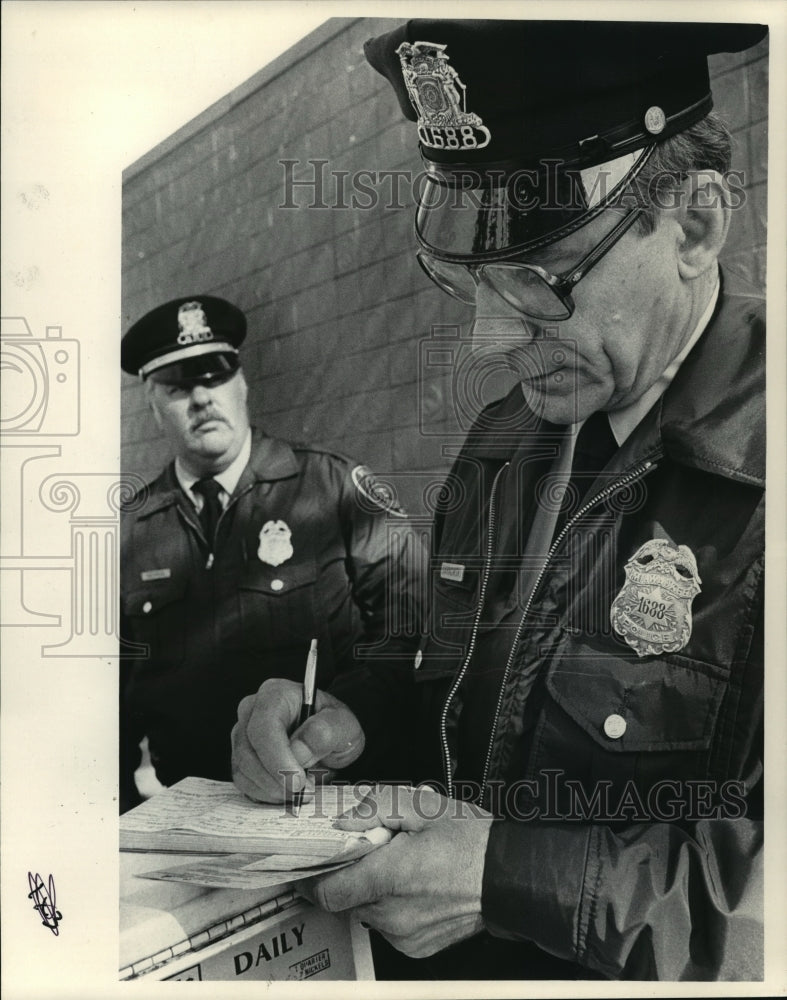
<point>588,694</point>
<point>239,553</point>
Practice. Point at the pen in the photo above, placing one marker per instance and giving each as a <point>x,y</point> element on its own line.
<point>307,706</point>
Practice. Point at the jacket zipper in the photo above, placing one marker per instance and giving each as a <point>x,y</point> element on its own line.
<point>625,481</point>
<point>608,491</point>
<point>474,633</point>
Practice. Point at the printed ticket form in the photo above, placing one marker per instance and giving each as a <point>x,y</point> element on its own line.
<point>244,844</point>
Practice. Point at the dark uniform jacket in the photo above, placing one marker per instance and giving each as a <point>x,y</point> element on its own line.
<point>630,785</point>
<point>216,627</point>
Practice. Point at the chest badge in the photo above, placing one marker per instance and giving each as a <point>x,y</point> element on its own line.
<point>652,612</point>
<point>275,546</point>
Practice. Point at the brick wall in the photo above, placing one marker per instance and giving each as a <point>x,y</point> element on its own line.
<point>338,307</point>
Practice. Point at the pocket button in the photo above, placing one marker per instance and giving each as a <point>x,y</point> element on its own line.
<point>614,726</point>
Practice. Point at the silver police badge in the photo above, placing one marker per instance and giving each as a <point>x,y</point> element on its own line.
<point>439,99</point>
<point>653,609</point>
<point>275,546</point>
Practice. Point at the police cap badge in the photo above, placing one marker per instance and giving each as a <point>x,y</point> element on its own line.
<point>189,338</point>
<point>527,128</point>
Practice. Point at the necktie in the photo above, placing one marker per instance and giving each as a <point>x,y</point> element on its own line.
<point>595,446</point>
<point>209,490</point>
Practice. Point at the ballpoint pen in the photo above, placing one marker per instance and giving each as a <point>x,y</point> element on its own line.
<point>307,707</point>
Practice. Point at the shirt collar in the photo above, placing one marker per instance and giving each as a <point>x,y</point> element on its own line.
<point>228,479</point>
<point>624,421</point>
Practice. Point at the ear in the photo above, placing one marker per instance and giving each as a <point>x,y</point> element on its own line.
<point>704,219</point>
<point>150,394</point>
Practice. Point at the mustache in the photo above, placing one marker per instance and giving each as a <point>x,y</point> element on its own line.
<point>206,418</point>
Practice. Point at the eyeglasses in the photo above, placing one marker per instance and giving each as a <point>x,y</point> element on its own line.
<point>530,289</point>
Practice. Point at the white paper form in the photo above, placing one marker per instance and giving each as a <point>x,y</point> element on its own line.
<point>251,871</point>
<point>216,810</point>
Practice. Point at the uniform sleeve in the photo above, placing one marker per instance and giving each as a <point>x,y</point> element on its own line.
<point>381,697</point>
<point>652,901</point>
<point>387,567</point>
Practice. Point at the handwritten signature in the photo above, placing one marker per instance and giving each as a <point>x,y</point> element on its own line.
<point>43,897</point>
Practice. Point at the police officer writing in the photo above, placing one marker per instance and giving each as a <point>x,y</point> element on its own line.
<point>587,698</point>
<point>243,550</point>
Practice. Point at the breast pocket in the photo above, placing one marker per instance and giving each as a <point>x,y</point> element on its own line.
<point>612,719</point>
<point>157,618</point>
<point>278,605</point>
<point>452,613</point>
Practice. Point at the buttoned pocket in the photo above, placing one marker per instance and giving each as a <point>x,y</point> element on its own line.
<point>627,705</point>
<point>157,617</point>
<point>618,726</point>
<point>446,641</point>
<point>278,604</point>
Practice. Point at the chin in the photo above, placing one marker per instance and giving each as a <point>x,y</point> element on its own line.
<point>555,406</point>
<point>212,451</point>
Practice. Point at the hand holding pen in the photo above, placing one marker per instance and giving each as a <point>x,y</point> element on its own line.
<point>307,706</point>
<point>266,753</point>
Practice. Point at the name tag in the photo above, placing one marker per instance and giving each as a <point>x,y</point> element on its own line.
<point>155,574</point>
<point>452,571</point>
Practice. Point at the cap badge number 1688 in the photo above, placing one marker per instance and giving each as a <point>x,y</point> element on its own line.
<point>439,99</point>
<point>652,612</point>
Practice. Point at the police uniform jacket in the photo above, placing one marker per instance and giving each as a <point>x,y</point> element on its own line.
<point>215,627</point>
<point>531,703</point>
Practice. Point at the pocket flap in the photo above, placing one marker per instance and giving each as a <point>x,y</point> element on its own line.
<point>154,596</point>
<point>625,705</point>
<point>278,581</point>
<point>432,663</point>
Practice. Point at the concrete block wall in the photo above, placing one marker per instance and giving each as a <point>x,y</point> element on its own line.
<point>339,312</point>
<point>740,94</point>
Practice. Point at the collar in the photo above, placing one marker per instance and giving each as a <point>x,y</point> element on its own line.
<point>623,421</point>
<point>227,480</point>
<point>270,460</point>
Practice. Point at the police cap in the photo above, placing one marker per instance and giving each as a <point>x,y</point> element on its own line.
<point>195,337</point>
<point>527,128</point>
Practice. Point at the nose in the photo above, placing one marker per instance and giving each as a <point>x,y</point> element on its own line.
<point>489,304</point>
<point>200,396</point>
<point>497,321</point>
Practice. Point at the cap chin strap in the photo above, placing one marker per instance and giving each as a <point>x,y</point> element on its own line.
<point>610,177</point>
<point>183,353</point>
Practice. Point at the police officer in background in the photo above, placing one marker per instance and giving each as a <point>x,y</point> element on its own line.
<point>588,694</point>
<point>239,553</point>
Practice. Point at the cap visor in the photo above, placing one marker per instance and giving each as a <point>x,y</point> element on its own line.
<point>490,214</point>
<point>201,367</point>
